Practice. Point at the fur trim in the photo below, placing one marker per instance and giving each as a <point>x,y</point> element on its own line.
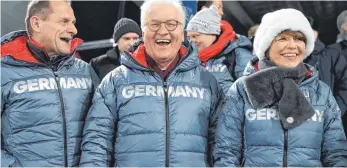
<point>278,84</point>
<point>276,22</point>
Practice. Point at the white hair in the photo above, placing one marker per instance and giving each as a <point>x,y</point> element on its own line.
<point>148,4</point>
<point>341,21</point>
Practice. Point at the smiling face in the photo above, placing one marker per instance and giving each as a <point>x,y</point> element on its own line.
<point>164,43</point>
<point>288,49</point>
<point>56,30</point>
<point>201,40</point>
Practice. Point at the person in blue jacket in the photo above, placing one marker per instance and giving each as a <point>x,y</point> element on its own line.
<point>46,91</point>
<point>221,51</point>
<point>280,113</point>
<point>158,109</point>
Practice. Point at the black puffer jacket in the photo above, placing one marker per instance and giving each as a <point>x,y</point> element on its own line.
<point>341,46</point>
<point>104,64</point>
<point>332,68</point>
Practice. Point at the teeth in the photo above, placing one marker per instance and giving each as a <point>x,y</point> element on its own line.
<point>163,41</point>
<point>66,38</point>
<point>289,55</point>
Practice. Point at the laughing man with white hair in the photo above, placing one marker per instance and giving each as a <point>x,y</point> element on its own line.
<point>159,108</point>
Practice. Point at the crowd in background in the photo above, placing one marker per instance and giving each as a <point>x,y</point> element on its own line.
<point>174,95</point>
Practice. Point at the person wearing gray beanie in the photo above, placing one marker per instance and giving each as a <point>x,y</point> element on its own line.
<point>206,21</point>
<point>341,42</point>
<point>126,32</point>
<point>218,46</point>
<point>280,114</point>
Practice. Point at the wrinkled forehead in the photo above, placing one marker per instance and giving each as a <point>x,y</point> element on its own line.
<point>163,12</point>
<point>61,9</point>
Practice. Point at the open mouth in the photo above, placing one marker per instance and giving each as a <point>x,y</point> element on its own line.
<point>290,55</point>
<point>65,39</point>
<point>163,42</point>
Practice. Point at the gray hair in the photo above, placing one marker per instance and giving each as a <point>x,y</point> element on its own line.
<point>37,7</point>
<point>341,21</point>
<point>148,4</point>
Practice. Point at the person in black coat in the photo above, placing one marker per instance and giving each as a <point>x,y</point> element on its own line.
<point>332,68</point>
<point>341,42</point>
<point>126,32</point>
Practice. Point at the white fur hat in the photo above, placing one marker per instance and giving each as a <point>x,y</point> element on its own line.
<point>274,23</point>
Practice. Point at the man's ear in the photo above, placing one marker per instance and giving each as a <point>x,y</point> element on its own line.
<point>36,23</point>
<point>203,7</point>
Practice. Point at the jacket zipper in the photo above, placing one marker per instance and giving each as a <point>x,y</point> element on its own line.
<point>63,114</point>
<point>285,155</point>
<point>167,144</point>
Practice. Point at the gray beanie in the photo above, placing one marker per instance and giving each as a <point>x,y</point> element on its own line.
<point>206,21</point>
<point>124,26</point>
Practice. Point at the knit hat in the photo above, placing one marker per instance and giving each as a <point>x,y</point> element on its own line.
<point>124,26</point>
<point>206,21</point>
<point>274,23</point>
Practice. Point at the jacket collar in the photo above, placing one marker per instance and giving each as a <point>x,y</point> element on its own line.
<point>227,36</point>
<point>21,47</point>
<point>113,54</point>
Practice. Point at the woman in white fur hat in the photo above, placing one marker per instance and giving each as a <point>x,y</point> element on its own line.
<point>281,114</point>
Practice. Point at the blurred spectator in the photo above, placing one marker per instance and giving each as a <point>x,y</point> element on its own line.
<point>221,52</point>
<point>126,32</point>
<point>341,45</point>
<point>252,31</point>
<point>206,4</point>
<point>342,36</point>
<point>201,4</point>
<point>332,68</point>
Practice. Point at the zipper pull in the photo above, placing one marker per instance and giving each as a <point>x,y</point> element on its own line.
<point>54,69</point>
<point>165,86</point>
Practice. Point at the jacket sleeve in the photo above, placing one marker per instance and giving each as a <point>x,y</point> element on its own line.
<point>95,78</point>
<point>100,124</point>
<point>93,64</point>
<point>7,160</point>
<point>340,81</point>
<point>243,56</point>
<point>229,133</point>
<point>218,98</point>
<point>334,147</point>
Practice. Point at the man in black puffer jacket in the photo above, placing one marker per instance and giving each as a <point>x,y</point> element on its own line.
<point>126,32</point>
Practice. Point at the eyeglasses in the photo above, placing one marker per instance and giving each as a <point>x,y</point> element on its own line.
<point>170,25</point>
